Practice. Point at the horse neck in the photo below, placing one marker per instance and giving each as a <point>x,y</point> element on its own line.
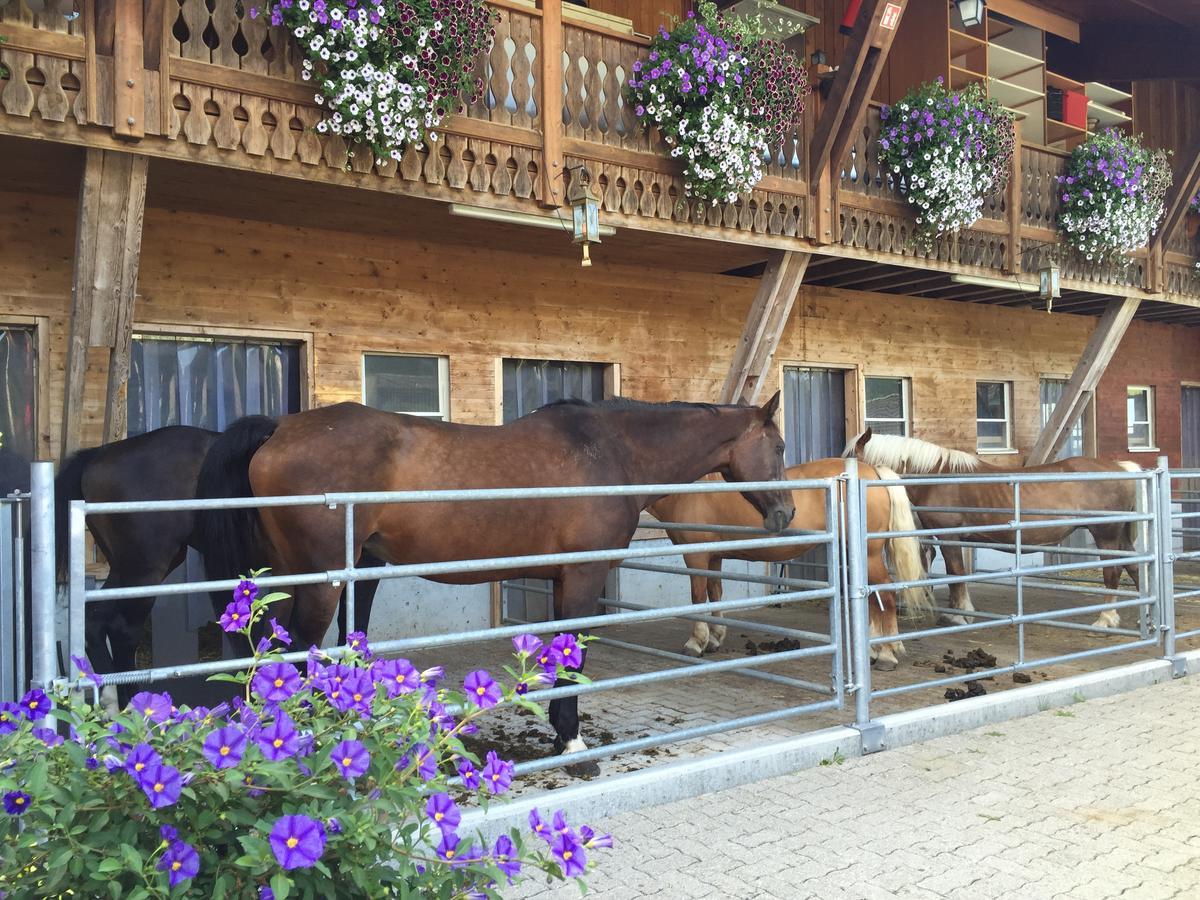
<point>677,446</point>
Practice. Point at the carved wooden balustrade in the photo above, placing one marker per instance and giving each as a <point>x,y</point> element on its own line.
<point>202,80</point>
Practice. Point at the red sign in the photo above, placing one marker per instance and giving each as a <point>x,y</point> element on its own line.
<point>891,16</point>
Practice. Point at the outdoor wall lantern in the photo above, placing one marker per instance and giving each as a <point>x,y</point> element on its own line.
<point>971,11</point>
<point>585,208</point>
<point>1049,287</point>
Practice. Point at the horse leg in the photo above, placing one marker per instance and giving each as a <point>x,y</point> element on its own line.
<point>364,598</point>
<point>576,592</point>
<point>697,643</point>
<point>313,609</point>
<point>960,598</point>
<point>96,619</point>
<point>716,589</point>
<point>882,605</point>
<point>125,629</point>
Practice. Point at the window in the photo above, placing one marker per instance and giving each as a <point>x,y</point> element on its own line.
<point>18,392</point>
<point>1139,415</point>
<point>887,405</point>
<point>417,385</point>
<point>1052,390</point>
<point>993,416</point>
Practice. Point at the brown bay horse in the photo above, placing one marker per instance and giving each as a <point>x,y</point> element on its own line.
<point>886,511</point>
<point>913,456</point>
<point>349,447</point>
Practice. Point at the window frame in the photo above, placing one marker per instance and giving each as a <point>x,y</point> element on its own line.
<point>39,326</point>
<point>443,377</point>
<point>905,402</point>
<point>1007,420</point>
<point>1151,436</point>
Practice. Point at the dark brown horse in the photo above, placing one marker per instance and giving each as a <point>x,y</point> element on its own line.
<point>913,456</point>
<point>349,447</point>
<point>139,548</point>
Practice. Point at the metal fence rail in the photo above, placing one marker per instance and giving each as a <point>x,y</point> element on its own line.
<point>1166,519</point>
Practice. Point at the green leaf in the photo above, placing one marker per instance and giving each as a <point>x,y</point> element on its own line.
<point>108,864</point>
<point>226,676</point>
<point>37,777</point>
<point>281,885</point>
<point>132,858</point>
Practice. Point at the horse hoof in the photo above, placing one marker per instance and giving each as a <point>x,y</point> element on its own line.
<point>586,770</point>
<point>884,665</point>
<point>713,646</point>
<point>954,620</point>
<point>692,650</point>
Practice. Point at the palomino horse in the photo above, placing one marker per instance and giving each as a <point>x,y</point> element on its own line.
<point>913,456</point>
<point>349,447</point>
<point>886,511</point>
<point>140,548</point>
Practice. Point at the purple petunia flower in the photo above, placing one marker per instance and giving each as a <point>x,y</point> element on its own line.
<point>265,893</point>
<point>297,841</point>
<point>357,641</point>
<point>280,633</point>
<point>527,645</point>
<point>355,692</point>
<point>433,675</point>
<point>444,813</point>
<point>236,616</point>
<point>278,740</point>
<point>591,840</point>
<point>48,736</point>
<point>351,759</point>
<point>397,675</point>
<point>469,775</point>
<point>86,670</point>
<point>161,784</point>
<point>482,690</point>
<point>180,862</point>
<point>246,591</point>
<point>568,650</point>
<point>497,774</point>
<point>10,717</point>
<point>570,854</point>
<point>167,833</point>
<point>16,803</point>
<point>157,708</point>
<point>505,856</point>
<point>225,746</point>
<point>35,704</point>
<point>141,758</point>
<point>539,827</point>
<point>276,682</point>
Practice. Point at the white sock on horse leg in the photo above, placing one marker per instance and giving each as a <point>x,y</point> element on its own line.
<point>575,745</point>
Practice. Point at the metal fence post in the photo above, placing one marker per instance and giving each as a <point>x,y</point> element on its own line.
<point>856,597</point>
<point>10,563</point>
<point>1165,566</point>
<point>41,513</point>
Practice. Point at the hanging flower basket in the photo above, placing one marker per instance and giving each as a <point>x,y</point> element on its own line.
<point>948,152</point>
<point>1112,195</point>
<point>388,73</point>
<point>721,94</point>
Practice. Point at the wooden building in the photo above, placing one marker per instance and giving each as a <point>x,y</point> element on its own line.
<point>177,244</point>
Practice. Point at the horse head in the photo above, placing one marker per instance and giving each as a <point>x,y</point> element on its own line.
<point>857,447</point>
<point>757,455</point>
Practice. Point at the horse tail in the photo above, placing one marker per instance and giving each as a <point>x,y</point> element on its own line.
<point>231,540</point>
<point>905,551</point>
<point>68,486</point>
<point>1130,531</point>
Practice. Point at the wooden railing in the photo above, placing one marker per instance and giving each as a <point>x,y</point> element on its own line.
<point>202,80</point>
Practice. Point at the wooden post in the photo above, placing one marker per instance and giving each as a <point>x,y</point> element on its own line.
<point>108,244</point>
<point>1012,259</point>
<point>129,74</point>
<point>552,101</point>
<point>764,326</point>
<point>1095,359</point>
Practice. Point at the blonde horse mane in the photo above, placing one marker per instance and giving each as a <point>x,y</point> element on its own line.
<point>912,455</point>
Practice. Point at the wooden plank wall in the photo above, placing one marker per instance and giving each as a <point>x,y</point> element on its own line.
<point>672,333</point>
<point>1168,114</point>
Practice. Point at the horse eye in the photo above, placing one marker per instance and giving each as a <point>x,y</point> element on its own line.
<point>779,449</point>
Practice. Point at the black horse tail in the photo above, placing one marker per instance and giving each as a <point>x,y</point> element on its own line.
<point>68,486</point>
<point>231,540</point>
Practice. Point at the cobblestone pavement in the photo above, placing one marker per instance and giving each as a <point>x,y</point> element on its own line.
<point>1098,800</point>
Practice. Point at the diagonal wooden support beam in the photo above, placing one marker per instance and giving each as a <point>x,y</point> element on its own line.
<point>768,317</point>
<point>858,73</point>
<point>108,243</point>
<point>1095,359</point>
<point>1186,186</point>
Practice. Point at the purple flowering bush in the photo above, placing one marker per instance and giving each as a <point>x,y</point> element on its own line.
<point>720,94</point>
<point>346,778</point>
<point>947,152</point>
<point>388,71</point>
<point>1113,195</point>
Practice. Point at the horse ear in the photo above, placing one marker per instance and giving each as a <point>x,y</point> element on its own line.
<point>768,409</point>
<point>860,447</point>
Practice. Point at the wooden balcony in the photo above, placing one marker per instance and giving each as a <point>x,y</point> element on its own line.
<point>169,78</point>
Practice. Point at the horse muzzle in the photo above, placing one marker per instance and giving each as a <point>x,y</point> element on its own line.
<point>778,518</point>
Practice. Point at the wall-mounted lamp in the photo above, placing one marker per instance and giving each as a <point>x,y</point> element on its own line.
<point>971,11</point>
<point>585,208</point>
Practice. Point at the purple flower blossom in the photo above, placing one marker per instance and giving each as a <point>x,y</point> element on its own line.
<point>35,704</point>
<point>570,854</point>
<point>158,708</point>
<point>482,690</point>
<point>246,591</point>
<point>279,739</point>
<point>568,650</point>
<point>357,641</point>
<point>297,841</point>
<point>469,775</point>
<point>443,812</point>
<point>280,633</point>
<point>276,682</point>
<point>161,784</point>
<point>17,803</point>
<point>180,862</point>
<point>167,833</point>
<point>526,645</point>
<point>86,670</point>
<point>48,736</point>
<point>10,717</point>
<point>448,848</point>
<point>497,774</point>
<point>505,856</point>
<point>351,759</point>
<point>236,616</point>
<point>539,826</point>
<point>225,746</point>
<point>591,840</point>
<point>141,758</point>
<point>397,675</point>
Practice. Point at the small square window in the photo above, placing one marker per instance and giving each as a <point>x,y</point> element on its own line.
<point>993,416</point>
<point>417,385</point>
<point>1139,415</point>
<point>887,410</point>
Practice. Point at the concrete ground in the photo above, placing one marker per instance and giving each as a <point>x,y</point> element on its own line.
<point>1098,800</point>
